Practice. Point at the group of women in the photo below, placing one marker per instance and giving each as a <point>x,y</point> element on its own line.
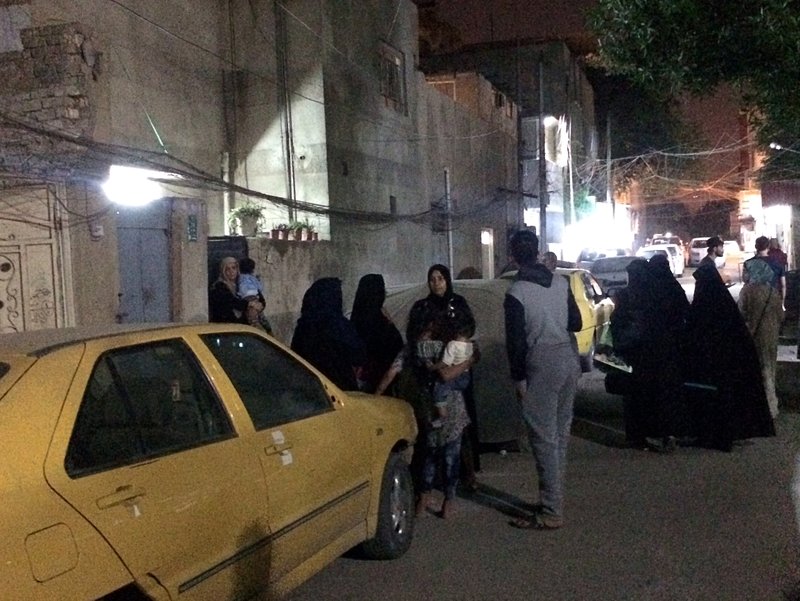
<point>695,370</point>
<point>367,353</point>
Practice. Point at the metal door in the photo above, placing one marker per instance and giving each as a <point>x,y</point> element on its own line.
<point>144,263</point>
<point>31,261</point>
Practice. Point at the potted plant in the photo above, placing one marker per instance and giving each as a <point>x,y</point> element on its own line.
<point>247,216</point>
<point>296,227</point>
<point>311,233</point>
<point>283,231</point>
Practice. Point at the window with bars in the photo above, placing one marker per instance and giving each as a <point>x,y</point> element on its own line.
<point>392,78</point>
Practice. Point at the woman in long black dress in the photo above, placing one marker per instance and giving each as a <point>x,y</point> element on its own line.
<point>381,337</point>
<point>325,337</point>
<point>722,368</point>
<point>442,303</point>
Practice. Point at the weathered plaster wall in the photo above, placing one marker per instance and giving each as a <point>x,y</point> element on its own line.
<point>148,79</point>
<point>94,258</point>
<point>353,152</point>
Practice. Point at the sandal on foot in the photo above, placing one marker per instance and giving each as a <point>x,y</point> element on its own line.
<point>538,522</point>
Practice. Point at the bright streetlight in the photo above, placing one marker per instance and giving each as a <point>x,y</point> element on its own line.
<point>131,186</point>
<point>776,146</point>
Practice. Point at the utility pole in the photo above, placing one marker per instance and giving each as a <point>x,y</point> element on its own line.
<point>520,146</point>
<point>449,225</point>
<point>609,194</point>
<point>543,196</point>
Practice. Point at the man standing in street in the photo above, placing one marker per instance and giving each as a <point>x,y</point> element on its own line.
<point>540,314</point>
<point>715,248</point>
<point>776,272</point>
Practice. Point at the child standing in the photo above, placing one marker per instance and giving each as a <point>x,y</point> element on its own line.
<point>250,287</point>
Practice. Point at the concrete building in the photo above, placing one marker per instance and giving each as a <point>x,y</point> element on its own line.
<point>548,84</point>
<point>315,111</point>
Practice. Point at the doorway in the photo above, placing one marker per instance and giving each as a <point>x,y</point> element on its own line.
<point>143,235</point>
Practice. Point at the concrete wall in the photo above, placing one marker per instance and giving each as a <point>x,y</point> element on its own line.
<point>282,99</point>
<point>364,156</point>
<point>144,79</point>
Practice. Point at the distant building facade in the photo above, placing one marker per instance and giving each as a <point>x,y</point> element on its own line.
<point>552,92</point>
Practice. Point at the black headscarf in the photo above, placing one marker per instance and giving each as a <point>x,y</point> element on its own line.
<point>368,303</point>
<point>630,324</point>
<point>433,306</point>
<point>381,337</point>
<point>325,338</point>
<point>671,306</point>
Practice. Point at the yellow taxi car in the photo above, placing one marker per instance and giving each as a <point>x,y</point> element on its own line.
<point>595,308</point>
<point>188,462</point>
<point>594,305</point>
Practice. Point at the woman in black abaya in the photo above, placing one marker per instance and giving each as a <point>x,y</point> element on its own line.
<point>725,386</point>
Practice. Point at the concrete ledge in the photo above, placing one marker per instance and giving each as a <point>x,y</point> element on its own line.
<point>787,378</point>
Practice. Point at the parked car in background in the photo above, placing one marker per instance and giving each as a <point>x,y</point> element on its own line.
<point>672,252</point>
<point>732,252</point>
<point>595,308</point>
<point>589,255</point>
<point>188,461</point>
<point>669,238</point>
<point>611,273</point>
<point>698,250</point>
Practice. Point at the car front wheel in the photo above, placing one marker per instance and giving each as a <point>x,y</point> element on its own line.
<point>395,513</point>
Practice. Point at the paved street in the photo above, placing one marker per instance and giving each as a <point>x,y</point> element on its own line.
<point>698,525</point>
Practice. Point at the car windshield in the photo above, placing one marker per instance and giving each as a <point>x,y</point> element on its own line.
<point>592,255</point>
<point>701,243</point>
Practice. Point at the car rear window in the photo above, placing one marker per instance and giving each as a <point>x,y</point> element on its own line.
<point>144,401</point>
<point>611,264</point>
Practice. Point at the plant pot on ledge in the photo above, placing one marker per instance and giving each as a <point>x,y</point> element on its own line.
<point>249,225</point>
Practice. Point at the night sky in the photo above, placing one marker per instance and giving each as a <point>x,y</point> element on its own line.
<point>495,20</point>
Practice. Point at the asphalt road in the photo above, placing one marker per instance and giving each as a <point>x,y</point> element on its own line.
<point>696,525</point>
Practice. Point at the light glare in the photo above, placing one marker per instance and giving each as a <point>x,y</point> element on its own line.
<point>133,187</point>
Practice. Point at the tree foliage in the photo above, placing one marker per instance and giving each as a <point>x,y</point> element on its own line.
<point>673,46</point>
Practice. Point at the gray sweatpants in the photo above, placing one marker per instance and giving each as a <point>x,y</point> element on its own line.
<point>552,377</point>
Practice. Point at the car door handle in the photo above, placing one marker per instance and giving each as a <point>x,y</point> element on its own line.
<point>277,448</point>
<point>123,495</point>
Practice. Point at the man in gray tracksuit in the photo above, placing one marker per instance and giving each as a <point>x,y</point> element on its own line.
<point>541,314</point>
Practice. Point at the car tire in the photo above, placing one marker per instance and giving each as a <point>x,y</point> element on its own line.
<point>587,360</point>
<point>395,513</point>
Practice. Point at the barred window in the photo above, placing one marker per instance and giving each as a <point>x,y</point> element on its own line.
<point>392,78</point>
